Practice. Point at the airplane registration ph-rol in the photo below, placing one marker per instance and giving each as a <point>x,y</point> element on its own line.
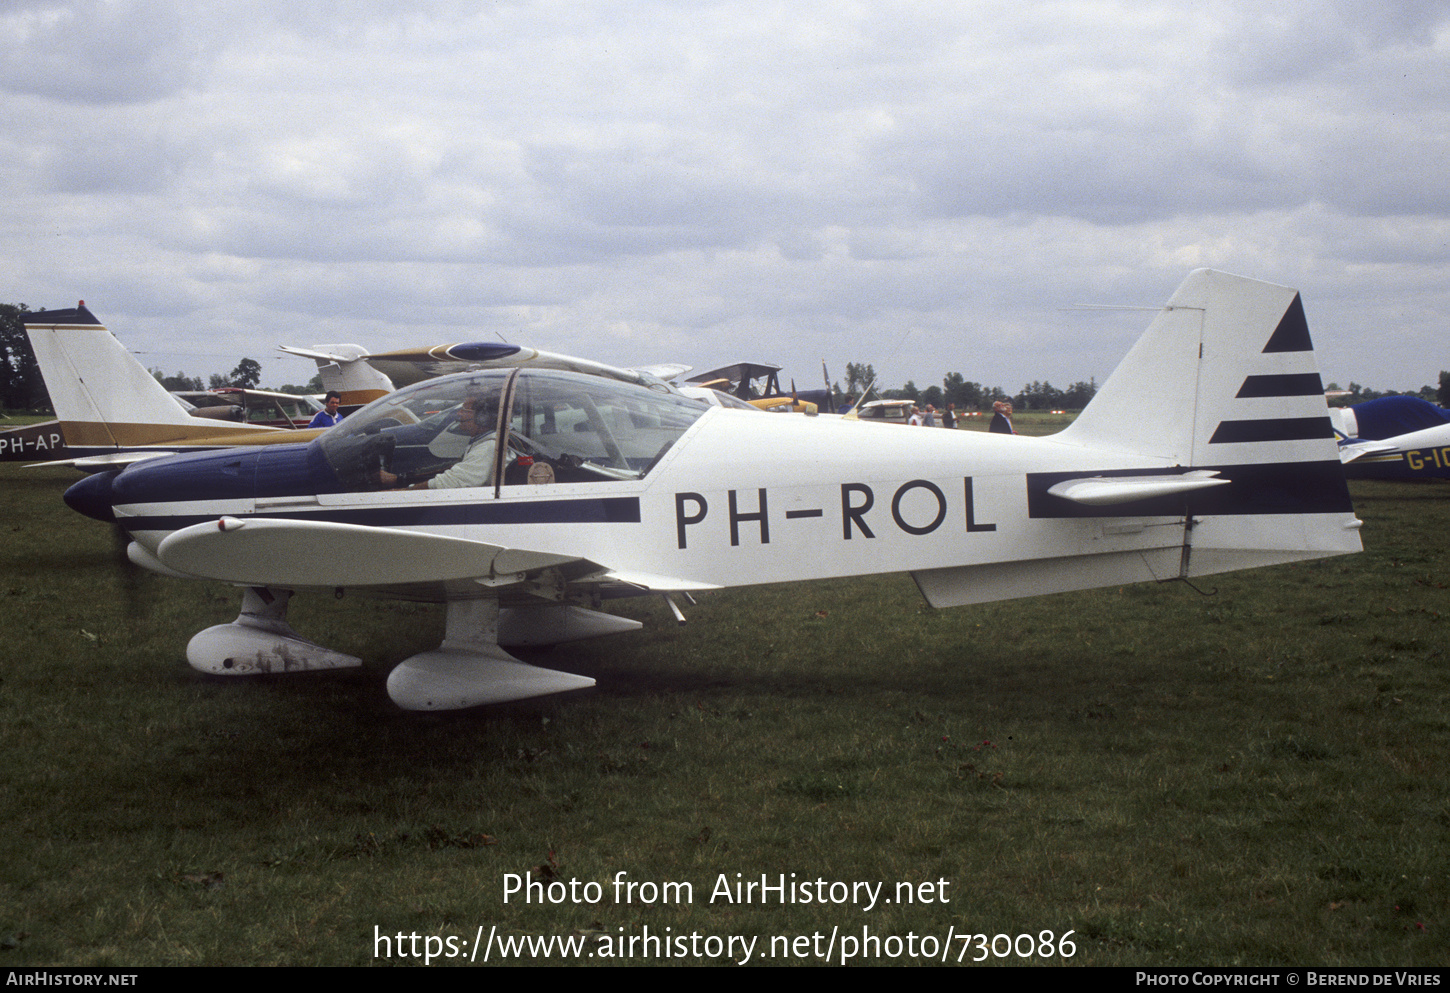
<point>524,498</point>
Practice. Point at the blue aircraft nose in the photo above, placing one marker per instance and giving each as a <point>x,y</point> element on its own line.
<point>92,496</point>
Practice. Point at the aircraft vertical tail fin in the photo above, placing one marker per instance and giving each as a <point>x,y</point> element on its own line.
<point>344,369</point>
<point>1209,449</point>
<point>1225,380</point>
<point>1225,371</point>
<point>102,396</point>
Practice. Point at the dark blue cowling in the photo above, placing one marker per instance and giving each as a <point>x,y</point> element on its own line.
<point>229,474</point>
<point>92,496</point>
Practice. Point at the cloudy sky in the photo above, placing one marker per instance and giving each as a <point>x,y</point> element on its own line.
<point>926,186</point>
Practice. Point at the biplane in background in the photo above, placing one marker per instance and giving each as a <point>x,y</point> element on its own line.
<point>758,384</point>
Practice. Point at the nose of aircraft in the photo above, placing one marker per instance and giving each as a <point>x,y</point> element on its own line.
<point>92,496</point>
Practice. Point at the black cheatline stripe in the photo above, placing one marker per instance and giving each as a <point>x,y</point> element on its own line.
<point>1272,429</point>
<point>1299,384</point>
<point>607,510</point>
<point>1270,488</point>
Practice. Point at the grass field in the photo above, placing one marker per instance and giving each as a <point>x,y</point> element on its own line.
<point>1257,776</point>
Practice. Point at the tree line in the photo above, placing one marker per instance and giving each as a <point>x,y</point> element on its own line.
<point>247,375</point>
<point>968,395</point>
<point>1036,395</point>
<point>1348,396</point>
<point>22,388</point>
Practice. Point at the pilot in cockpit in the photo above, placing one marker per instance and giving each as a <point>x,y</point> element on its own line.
<point>478,419</point>
<point>557,427</point>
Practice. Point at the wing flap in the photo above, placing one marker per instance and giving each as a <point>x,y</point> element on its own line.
<point>655,583</point>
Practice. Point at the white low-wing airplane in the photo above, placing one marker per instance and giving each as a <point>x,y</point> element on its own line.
<point>534,494</point>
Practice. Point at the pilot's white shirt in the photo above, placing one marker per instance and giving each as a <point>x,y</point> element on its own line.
<point>474,469</point>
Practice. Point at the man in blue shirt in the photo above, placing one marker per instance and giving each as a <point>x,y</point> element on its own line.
<point>329,416</point>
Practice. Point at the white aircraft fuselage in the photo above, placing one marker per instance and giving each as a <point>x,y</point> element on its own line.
<point>1210,449</point>
<point>812,499</point>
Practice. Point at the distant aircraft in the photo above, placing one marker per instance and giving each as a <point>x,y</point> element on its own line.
<point>1397,437</point>
<point>276,410</point>
<point>45,442</point>
<point>758,384</point>
<point>886,411</point>
<point>1208,450</point>
<point>32,442</point>
<point>110,409</point>
<point>362,376</point>
<point>133,417</point>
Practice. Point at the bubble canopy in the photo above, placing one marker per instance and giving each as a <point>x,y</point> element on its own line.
<point>508,427</point>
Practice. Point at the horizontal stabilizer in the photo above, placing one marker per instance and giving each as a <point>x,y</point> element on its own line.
<point>1359,449</point>
<point>332,353</point>
<point>1102,491</point>
<point>99,463</point>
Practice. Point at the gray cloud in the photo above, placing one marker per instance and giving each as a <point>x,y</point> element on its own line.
<point>94,52</point>
<point>922,187</point>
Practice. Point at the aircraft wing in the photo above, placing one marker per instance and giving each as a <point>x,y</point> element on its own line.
<point>326,555</point>
<point>736,371</point>
<point>654,583</point>
<point>665,371</point>
<point>338,364</point>
<point>270,552</point>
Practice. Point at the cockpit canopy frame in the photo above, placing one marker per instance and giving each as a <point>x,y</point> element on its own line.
<point>572,427</point>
